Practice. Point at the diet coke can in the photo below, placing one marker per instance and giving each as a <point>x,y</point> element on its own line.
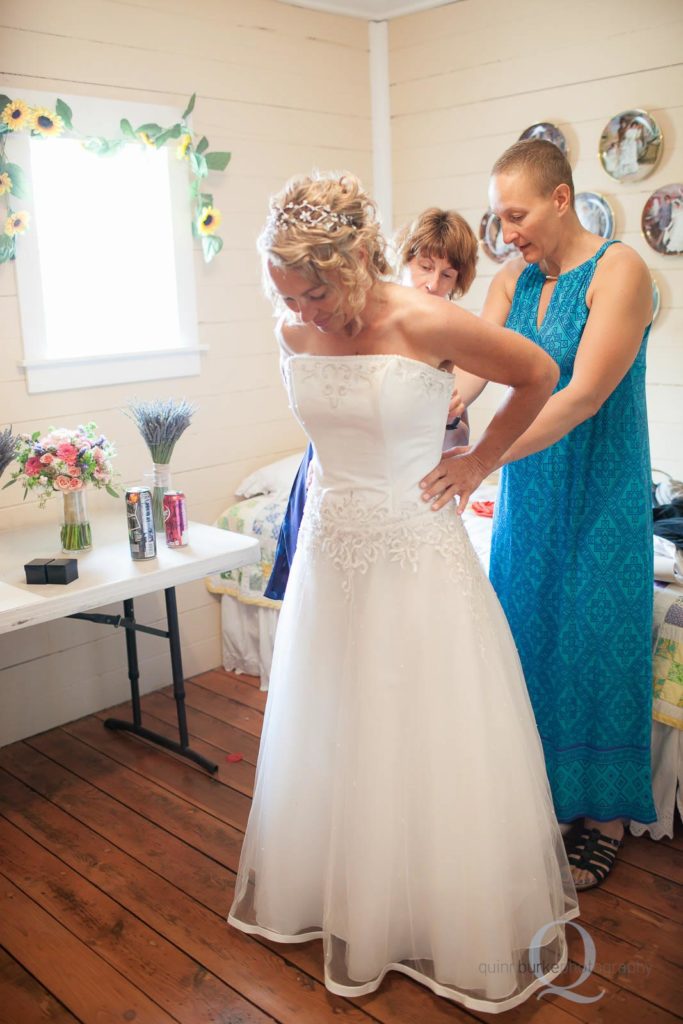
<point>141,534</point>
<point>175,519</point>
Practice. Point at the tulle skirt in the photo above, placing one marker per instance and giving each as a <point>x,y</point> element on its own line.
<point>401,810</point>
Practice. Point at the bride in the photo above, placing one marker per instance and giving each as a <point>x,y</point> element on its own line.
<point>401,811</point>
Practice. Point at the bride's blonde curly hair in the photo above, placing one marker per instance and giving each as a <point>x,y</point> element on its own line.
<point>325,227</point>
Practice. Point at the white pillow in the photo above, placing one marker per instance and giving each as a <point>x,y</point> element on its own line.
<point>277,477</point>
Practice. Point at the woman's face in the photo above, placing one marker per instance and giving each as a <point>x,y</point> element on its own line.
<point>313,302</point>
<point>528,220</point>
<point>433,274</point>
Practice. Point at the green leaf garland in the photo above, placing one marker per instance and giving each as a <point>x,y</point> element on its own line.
<point>217,161</point>
<point>64,111</point>
<point>205,217</point>
<point>190,106</point>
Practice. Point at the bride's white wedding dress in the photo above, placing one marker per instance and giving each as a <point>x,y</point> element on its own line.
<point>401,810</point>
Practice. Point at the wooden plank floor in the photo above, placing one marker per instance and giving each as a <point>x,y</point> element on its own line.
<point>117,868</point>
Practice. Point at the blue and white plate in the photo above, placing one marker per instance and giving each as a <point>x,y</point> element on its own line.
<point>595,213</point>
<point>630,145</point>
<point>491,238</point>
<point>656,300</point>
<point>548,132</point>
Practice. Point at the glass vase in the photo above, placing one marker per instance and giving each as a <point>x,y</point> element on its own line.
<point>161,482</point>
<point>76,533</point>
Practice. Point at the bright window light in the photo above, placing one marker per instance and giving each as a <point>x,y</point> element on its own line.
<point>105,242</point>
<point>105,272</point>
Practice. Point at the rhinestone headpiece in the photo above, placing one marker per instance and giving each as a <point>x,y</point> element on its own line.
<point>309,216</point>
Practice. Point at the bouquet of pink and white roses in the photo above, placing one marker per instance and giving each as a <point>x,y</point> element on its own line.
<point>64,460</point>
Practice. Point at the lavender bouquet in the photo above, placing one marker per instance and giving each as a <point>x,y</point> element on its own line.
<point>161,423</point>
<point>8,448</point>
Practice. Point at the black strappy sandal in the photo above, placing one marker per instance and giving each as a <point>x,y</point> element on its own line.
<point>592,851</point>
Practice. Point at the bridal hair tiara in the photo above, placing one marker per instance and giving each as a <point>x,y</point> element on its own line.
<point>307,215</point>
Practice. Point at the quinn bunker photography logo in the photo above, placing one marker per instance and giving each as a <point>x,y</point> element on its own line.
<point>587,960</point>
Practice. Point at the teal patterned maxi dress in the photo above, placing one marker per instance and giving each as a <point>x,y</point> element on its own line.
<point>571,562</point>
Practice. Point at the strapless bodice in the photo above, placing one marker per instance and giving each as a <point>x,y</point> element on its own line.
<point>376,423</point>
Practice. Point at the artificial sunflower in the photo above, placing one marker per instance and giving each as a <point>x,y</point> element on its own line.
<point>46,123</point>
<point>5,183</point>
<point>16,114</point>
<point>183,146</point>
<point>16,223</point>
<point>147,139</point>
<point>209,220</point>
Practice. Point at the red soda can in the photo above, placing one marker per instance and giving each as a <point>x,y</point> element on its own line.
<point>175,519</point>
<point>141,535</point>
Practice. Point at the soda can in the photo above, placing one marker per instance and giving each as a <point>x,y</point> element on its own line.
<point>175,519</point>
<point>141,534</point>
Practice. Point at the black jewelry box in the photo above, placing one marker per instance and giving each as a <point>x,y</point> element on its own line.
<point>36,571</point>
<point>62,570</point>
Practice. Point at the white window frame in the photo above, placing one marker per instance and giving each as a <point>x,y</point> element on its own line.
<point>101,117</point>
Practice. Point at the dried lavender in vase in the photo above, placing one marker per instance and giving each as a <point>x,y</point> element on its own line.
<point>161,423</point>
<point>8,448</point>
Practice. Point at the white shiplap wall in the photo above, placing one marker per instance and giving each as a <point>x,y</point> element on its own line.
<point>468,78</point>
<point>285,90</point>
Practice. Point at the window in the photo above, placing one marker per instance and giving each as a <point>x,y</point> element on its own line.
<point>105,272</point>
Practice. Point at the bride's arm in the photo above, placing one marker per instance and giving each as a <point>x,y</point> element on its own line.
<point>494,353</point>
<point>495,309</point>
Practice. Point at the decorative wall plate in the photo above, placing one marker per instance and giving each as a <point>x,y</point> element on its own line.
<point>547,131</point>
<point>595,213</point>
<point>491,237</point>
<point>656,300</point>
<point>630,145</point>
<point>662,220</point>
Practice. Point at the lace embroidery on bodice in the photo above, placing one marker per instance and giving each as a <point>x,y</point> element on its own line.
<point>336,378</point>
<point>394,407</point>
<point>335,381</point>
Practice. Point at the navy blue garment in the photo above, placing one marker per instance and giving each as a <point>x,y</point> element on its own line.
<point>289,532</point>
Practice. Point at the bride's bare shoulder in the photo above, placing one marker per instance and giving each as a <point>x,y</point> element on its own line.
<point>293,338</point>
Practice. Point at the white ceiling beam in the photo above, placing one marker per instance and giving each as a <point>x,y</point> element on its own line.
<point>378,37</point>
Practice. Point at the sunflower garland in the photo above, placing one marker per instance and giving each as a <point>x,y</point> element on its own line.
<point>16,115</point>
<point>209,220</point>
<point>183,148</point>
<point>147,139</point>
<point>16,223</point>
<point>45,123</point>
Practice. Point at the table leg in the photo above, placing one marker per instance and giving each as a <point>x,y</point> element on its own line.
<point>176,663</point>
<point>133,669</point>
<point>173,634</point>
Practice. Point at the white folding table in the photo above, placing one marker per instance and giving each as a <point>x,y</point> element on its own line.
<point>106,574</point>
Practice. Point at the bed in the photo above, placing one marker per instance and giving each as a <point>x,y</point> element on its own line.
<point>249,620</point>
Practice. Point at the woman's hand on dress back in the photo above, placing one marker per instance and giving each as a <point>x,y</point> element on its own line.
<point>459,473</point>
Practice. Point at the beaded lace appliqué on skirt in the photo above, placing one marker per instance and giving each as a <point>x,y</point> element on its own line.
<point>354,533</point>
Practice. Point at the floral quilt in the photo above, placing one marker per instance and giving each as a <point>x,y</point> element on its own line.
<point>258,517</point>
<point>667,673</point>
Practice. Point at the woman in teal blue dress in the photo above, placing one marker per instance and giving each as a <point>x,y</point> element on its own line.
<point>571,557</point>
